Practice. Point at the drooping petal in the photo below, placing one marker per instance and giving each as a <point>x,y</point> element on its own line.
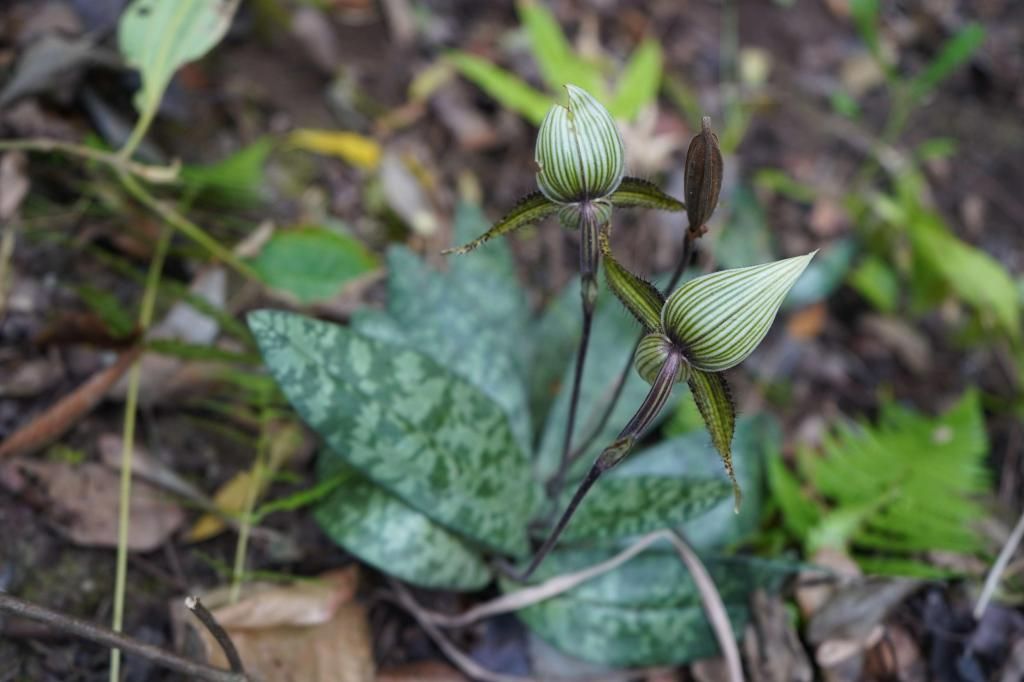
<point>640,297</point>
<point>529,209</point>
<point>651,354</point>
<point>639,193</point>
<point>714,400</point>
<point>719,319</point>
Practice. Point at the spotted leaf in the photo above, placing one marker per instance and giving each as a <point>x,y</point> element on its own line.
<point>406,423</point>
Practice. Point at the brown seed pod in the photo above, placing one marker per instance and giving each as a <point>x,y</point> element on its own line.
<point>703,175</point>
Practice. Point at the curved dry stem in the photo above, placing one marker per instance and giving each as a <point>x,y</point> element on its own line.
<point>158,175</point>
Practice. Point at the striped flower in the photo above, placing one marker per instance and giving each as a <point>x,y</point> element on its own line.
<point>719,319</point>
<point>579,151</point>
<point>704,327</point>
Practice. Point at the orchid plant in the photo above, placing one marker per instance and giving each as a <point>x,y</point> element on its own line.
<point>705,327</point>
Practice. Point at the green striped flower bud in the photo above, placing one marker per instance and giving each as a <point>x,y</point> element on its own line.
<point>651,355</point>
<point>719,319</point>
<point>579,151</point>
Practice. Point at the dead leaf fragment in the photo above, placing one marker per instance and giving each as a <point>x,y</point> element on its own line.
<point>310,631</point>
<point>421,671</point>
<point>66,412</point>
<point>82,501</point>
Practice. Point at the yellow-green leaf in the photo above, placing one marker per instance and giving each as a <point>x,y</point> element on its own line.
<point>356,149</point>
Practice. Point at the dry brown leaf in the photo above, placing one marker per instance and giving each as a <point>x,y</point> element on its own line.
<point>82,501</point>
<point>287,440</point>
<point>310,631</point>
<point>65,413</point>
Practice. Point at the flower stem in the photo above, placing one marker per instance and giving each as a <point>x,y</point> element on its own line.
<point>589,257</point>
<point>656,398</point>
<point>592,434</point>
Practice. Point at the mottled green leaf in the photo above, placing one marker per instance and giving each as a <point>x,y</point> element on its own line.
<point>157,37</point>
<point>555,335</point>
<point>714,400</point>
<point>622,507</point>
<point>529,209</point>
<point>638,83</point>
<point>405,422</point>
<point>312,263</point>
<point>648,611</point>
<point>693,455</point>
<point>510,90</point>
<point>721,318</point>
<point>391,536</point>
<point>634,192</point>
<point>462,318</point>
<point>557,62</point>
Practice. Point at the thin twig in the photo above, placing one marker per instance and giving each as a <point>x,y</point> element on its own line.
<point>154,174</point>
<point>471,668</point>
<point>106,637</point>
<point>652,405</point>
<point>520,599</point>
<point>128,446</point>
<point>714,608</point>
<point>193,604</point>
<point>994,575</point>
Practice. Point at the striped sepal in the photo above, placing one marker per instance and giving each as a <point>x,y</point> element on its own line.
<point>640,297</point>
<point>529,209</point>
<point>719,319</point>
<point>714,400</point>
<point>634,192</point>
<point>579,150</point>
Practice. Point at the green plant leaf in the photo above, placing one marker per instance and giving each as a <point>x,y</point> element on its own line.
<point>405,422</point>
<point>634,192</point>
<point>312,263</point>
<point>530,209</point>
<point>158,37</point>
<point>622,507</point>
<point>460,319</point>
<point>976,277</point>
<point>714,400</point>
<point>555,336</point>
<point>108,308</point>
<point>646,612</point>
<point>391,536</point>
<point>721,318</point>
<point>509,90</point>
<point>953,54</point>
<point>638,84</point>
<point>875,281</point>
<point>906,485</point>
<point>556,60</point>
<point>693,456</point>
<point>235,181</point>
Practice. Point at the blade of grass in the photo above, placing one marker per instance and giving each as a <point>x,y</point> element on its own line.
<point>156,267</point>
